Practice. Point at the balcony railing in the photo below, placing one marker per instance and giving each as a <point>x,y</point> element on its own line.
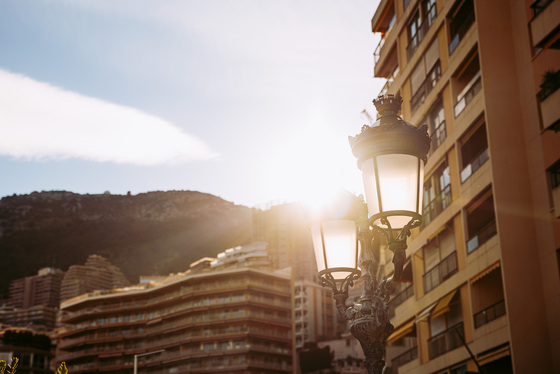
<point>461,32</point>
<point>400,360</point>
<point>436,206</point>
<point>445,341</point>
<point>481,236</point>
<point>445,269</point>
<point>377,52</point>
<point>474,165</point>
<point>551,84</point>
<point>489,314</point>
<point>390,80</point>
<point>400,298</point>
<point>468,94</point>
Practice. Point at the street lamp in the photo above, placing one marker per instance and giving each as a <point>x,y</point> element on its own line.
<point>135,367</point>
<point>391,155</point>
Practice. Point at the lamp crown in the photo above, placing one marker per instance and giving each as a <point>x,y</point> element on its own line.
<point>389,105</point>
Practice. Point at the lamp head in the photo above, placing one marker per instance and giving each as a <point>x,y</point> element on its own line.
<point>391,154</point>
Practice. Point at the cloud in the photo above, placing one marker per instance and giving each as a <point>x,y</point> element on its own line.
<point>41,122</point>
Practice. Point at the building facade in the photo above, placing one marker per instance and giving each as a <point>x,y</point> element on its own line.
<point>230,321</point>
<point>484,286</point>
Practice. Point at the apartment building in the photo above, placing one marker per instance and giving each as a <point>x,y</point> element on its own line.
<point>234,320</point>
<point>483,288</point>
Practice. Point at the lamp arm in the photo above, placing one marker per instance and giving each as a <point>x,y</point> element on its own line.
<point>340,302</point>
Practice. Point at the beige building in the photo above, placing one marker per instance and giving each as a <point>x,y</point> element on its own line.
<point>222,320</point>
<point>484,286</point>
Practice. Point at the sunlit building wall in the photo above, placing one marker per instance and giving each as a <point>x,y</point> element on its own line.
<point>484,267</point>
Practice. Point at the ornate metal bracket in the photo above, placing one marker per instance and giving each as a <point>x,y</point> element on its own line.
<point>368,317</point>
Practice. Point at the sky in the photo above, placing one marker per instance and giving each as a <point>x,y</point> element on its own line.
<point>249,100</point>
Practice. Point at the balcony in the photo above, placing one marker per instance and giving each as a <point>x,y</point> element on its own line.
<point>468,94</point>
<point>460,24</point>
<point>546,18</point>
<point>474,165</point>
<point>377,52</point>
<point>549,101</point>
<point>489,314</point>
<point>403,358</point>
<point>442,271</point>
<point>445,341</point>
<point>481,236</point>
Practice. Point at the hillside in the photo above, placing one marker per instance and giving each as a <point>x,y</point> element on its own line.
<point>144,234</point>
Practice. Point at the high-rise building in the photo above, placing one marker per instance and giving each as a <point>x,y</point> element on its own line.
<point>33,301</point>
<point>483,76</point>
<point>234,320</point>
<point>40,289</point>
<point>96,274</point>
<point>285,230</point>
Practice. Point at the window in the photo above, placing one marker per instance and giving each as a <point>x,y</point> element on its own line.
<point>440,259</point>
<point>414,33</point>
<point>435,120</point>
<point>419,24</point>
<point>481,222</point>
<point>460,19</point>
<point>437,193</point>
<point>466,82</point>
<point>474,151</point>
<point>429,11</point>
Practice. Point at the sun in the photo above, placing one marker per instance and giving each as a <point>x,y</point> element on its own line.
<point>311,167</point>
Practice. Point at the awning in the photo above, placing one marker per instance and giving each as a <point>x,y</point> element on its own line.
<point>485,272</point>
<point>402,331</point>
<point>493,355</point>
<point>425,313</point>
<point>443,305</point>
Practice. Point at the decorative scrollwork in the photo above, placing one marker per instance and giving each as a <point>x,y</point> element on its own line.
<point>369,320</point>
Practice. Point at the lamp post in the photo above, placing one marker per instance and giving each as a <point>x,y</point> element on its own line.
<point>135,366</point>
<point>391,155</point>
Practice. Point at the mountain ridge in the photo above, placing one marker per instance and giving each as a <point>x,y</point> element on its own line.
<point>150,233</point>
